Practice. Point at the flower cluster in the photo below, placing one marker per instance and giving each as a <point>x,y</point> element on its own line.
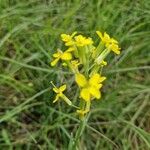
<point>85,61</point>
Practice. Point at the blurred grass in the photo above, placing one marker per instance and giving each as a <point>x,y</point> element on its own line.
<point>29,34</point>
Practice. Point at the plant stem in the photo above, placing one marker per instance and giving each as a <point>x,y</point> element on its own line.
<point>79,133</point>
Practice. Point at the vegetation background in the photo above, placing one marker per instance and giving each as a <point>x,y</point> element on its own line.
<point>29,34</point>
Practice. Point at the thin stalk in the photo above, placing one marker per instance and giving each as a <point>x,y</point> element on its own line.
<point>87,61</point>
<point>99,48</point>
<point>79,132</point>
<point>102,56</point>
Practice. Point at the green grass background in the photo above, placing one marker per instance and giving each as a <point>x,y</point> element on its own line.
<point>29,34</point>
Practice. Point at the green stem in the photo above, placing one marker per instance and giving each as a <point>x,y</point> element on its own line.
<point>102,56</point>
<point>79,133</point>
<point>99,48</point>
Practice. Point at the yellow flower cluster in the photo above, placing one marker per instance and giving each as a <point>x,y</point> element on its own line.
<point>78,40</point>
<point>110,43</point>
<point>85,61</point>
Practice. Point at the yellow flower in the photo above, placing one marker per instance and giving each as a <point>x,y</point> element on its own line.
<point>89,88</point>
<point>62,55</point>
<point>110,43</point>
<point>115,48</point>
<point>68,39</point>
<point>105,38</point>
<point>59,91</point>
<point>83,41</point>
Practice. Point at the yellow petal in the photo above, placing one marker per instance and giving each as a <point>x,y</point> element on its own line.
<point>65,37</point>
<point>56,90</point>
<point>85,94</point>
<point>54,62</point>
<point>66,56</point>
<point>94,79</point>
<point>98,86</point>
<point>56,98</point>
<point>70,43</point>
<point>95,92</point>
<point>114,41</point>
<point>82,41</point>
<point>73,34</point>
<point>56,55</point>
<point>70,49</point>
<point>80,79</point>
<point>115,48</point>
<point>101,79</point>
<point>89,41</point>
<point>106,38</point>
<point>62,88</point>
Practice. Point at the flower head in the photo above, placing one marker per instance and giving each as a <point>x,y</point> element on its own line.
<point>89,88</point>
<point>110,43</point>
<point>114,47</point>
<point>62,55</point>
<point>91,58</point>
<point>68,39</point>
<point>59,94</point>
<point>105,38</point>
<point>83,41</point>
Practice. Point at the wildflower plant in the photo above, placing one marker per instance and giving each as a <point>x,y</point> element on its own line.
<point>85,61</point>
